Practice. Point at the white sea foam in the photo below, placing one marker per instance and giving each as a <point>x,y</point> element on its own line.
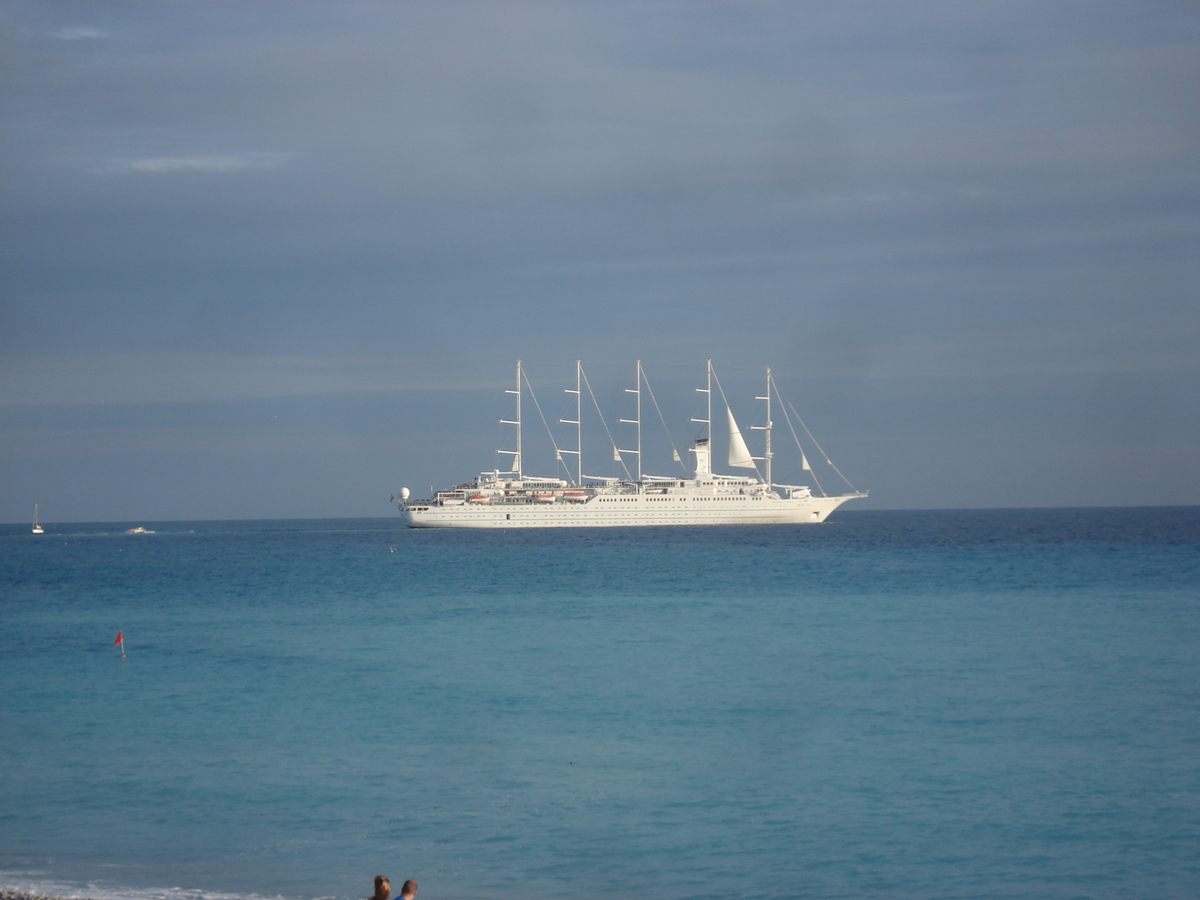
<point>38,883</point>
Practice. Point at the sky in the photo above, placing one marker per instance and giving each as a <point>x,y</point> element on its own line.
<point>279,259</point>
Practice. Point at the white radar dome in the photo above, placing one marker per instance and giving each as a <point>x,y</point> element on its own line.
<point>404,493</point>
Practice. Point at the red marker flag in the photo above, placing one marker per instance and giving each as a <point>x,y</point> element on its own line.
<point>120,639</point>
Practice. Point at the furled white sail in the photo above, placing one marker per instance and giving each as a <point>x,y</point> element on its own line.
<point>739,453</point>
<point>804,462</point>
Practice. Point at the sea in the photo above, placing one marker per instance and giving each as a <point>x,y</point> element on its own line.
<point>929,704</point>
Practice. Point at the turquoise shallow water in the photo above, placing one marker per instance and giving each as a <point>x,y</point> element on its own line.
<point>927,704</point>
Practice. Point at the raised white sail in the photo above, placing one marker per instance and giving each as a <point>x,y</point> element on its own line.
<point>739,453</point>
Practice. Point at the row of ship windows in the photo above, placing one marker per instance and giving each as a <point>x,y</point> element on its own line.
<point>653,499</point>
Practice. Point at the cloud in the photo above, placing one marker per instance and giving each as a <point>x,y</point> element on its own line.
<point>211,163</point>
<point>120,378</point>
<point>80,33</point>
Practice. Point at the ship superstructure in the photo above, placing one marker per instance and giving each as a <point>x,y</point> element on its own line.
<point>513,499</point>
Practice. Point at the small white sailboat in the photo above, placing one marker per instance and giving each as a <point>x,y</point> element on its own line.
<point>37,529</point>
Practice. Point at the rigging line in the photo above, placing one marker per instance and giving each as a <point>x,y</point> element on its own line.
<point>728,412</point>
<point>783,404</point>
<point>674,449</point>
<point>818,446</point>
<point>538,406</point>
<point>596,404</point>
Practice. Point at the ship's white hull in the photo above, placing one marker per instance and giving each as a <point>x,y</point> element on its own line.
<point>628,510</point>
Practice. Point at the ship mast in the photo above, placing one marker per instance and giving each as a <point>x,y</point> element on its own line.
<point>516,454</point>
<point>578,420</point>
<point>637,421</point>
<point>766,429</point>
<point>707,391</point>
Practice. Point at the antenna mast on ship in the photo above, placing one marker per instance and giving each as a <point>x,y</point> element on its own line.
<point>516,454</point>
<point>578,421</point>
<point>637,421</point>
<point>707,391</point>
<point>767,430</point>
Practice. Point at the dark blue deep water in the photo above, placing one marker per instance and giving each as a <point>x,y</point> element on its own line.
<point>1000,704</point>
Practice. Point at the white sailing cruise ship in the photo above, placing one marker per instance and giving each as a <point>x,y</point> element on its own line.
<point>513,499</point>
